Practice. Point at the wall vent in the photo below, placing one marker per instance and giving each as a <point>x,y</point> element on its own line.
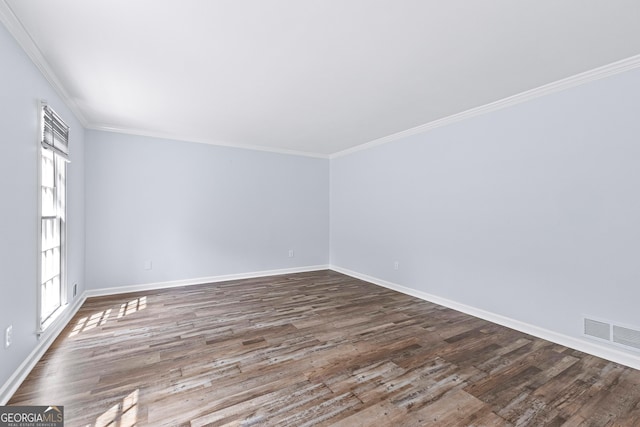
<point>596,329</point>
<point>627,337</point>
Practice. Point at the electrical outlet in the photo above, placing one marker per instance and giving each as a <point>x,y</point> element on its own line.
<point>291,253</point>
<point>148,265</point>
<point>8,336</point>
<point>75,290</point>
<point>396,265</point>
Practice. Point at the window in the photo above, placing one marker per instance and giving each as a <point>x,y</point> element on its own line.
<point>53,220</point>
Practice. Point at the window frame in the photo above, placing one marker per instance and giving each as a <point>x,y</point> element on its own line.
<point>60,159</point>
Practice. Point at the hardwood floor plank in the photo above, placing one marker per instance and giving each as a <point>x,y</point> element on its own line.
<point>315,349</point>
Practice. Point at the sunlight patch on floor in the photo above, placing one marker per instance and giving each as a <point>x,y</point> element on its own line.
<point>122,414</point>
<point>100,318</point>
<point>87,323</point>
<point>132,306</point>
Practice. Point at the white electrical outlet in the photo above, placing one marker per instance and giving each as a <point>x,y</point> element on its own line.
<point>148,265</point>
<point>8,336</point>
<point>291,253</point>
<point>396,265</point>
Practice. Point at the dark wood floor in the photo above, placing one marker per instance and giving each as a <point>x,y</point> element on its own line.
<point>315,349</point>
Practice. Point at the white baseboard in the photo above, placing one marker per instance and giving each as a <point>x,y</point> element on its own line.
<point>45,341</point>
<point>583,345</point>
<point>12,384</point>
<point>200,280</point>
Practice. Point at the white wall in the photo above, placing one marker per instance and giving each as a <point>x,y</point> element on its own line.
<point>531,212</point>
<point>21,86</point>
<point>197,210</point>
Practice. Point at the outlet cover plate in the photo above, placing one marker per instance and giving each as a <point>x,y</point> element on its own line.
<point>8,336</point>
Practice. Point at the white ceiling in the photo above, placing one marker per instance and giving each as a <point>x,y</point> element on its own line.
<point>312,76</point>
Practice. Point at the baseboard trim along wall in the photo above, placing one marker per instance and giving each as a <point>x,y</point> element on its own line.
<point>585,346</point>
<point>12,384</point>
<point>46,339</point>
<point>200,281</point>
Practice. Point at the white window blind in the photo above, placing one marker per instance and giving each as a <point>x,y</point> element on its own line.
<point>55,132</point>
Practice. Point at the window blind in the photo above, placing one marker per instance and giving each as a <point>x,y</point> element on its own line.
<point>55,132</point>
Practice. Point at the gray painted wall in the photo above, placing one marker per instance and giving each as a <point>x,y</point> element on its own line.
<point>531,212</point>
<point>22,86</point>
<point>197,210</point>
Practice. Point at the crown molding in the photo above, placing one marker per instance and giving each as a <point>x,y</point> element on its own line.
<point>183,138</point>
<point>22,37</point>
<point>557,86</point>
<point>18,31</point>
<point>20,34</point>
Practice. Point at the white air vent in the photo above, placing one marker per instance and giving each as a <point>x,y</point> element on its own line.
<point>596,329</point>
<point>626,336</point>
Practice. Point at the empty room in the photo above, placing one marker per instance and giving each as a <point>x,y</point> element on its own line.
<point>320,213</point>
